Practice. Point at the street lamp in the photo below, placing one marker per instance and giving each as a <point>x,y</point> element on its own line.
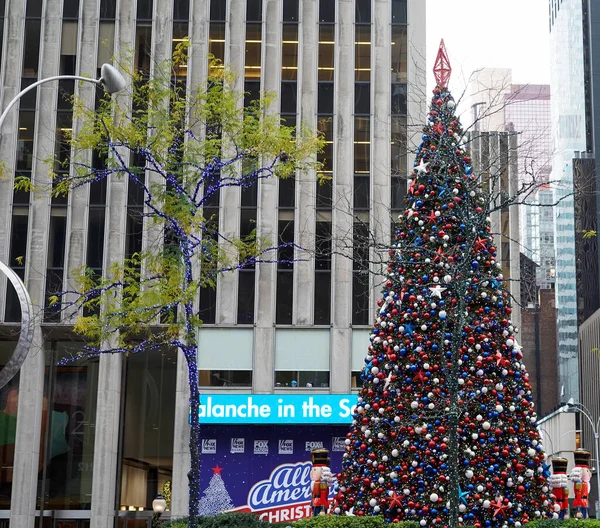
<point>571,404</point>
<point>110,79</point>
<point>159,505</point>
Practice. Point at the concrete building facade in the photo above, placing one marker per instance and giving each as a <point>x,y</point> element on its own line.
<point>93,442</point>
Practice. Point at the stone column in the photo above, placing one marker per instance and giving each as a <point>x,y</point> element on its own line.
<point>31,382</point>
<point>305,213</point>
<point>267,216</point>
<point>343,202</point>
<point>108,419</point>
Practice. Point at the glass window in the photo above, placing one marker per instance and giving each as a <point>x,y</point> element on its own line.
<point>247,222</point>
<point>181,10</point>
<point>207,310</point>
<point>324,195</point>
<point>399,12</point>
<point>34,9</point>
<point>360,298</point>
<point>254,10</point>
<point>302,379</point>
<point>144,9</point>
<point>322,313</point>
<point>361,192</point>
<point>286,242</point>
<point>253,51</point>
<point>398,99</point>
<point>398,193</point>
<point>285,297</point>
<point>251,91</point>
<point>289,94</point>
<point>323,240</point>
<point>225,378</point>
<point>325,98</point>
<point>216,44</point>
<point>106,41</point>
<point>25,140</point>
<point>148,422</point>
<point>32,47</point>
<point>71,9</point>
<point>363,12</point>
<point>399,146</point>
<point>362,98</point>
<point>287,193</point>
<point>399,54</point>
<point>246,281</point>
<point>95,241</point>
<point>218,10</point>
<point>289,52</point>
<point>9,397</point>
<point>108,9</point>
<point>362,145</point>
<point>362,53</point>
<point>326,51</point>
<point>326,11</point>
<point>143,47</point>
<point>68,428</point>
<point>290,10</point>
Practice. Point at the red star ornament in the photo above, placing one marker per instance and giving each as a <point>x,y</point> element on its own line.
<point>396,502</point>
<point>480,243</point>
<point>217,470</point>
<point>499,507</point>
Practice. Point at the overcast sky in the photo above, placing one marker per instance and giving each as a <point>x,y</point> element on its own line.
<point>490,33</point>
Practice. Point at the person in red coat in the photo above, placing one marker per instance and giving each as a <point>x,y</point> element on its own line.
<point>558,482</point>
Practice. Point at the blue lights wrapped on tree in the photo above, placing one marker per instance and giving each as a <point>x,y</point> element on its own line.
<point>444,432</point>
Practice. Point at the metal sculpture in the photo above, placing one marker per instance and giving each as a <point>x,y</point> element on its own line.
<point>26,335</point>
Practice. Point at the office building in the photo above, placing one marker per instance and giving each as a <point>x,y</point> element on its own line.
<point>95,441</point>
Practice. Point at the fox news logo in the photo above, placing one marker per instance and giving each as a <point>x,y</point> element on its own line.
<point>309,446</point>
<point>238,445</point>
<point>286,447</point>
<point>209,446</point>
<point>338,443</point>
<point>261,447</point>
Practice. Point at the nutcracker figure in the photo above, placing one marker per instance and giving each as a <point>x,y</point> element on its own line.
<point>580,476</point>
<point>558,482</point>
<point>321,478</point>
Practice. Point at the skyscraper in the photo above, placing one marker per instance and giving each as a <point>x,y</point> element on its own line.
<point>104,437</point>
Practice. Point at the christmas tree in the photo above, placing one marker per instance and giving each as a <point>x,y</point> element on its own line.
<point>444,432</point>
<point>216,499</point>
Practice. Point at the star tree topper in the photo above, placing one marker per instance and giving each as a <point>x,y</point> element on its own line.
<point>441,68</point>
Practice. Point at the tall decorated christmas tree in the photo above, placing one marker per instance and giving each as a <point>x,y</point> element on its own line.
<point>444,432</point>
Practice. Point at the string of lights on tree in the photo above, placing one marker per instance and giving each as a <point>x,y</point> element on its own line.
<point>177,156</point>
<point>444,431</point>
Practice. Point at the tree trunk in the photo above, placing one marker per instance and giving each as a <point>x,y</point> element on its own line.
<point>194,474</point>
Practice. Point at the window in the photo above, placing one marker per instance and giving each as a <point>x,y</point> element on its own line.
<point>144,10</point>
<point>398,95</point>
<point>326,50</point>
<point>9,399</point>
<point>362,52</point>
<point>289,52</point>
<point>302,357</point>
<point>363,12</point>
<point>217,10</point>
<point>326,11</point>
<point>233,368</point>
<point>287,193</point>
<point>399,12</point>
<point>362,98</point>
<point>246,280</point>
<point>399,54</point>
<point>148,423</point>
<point>69,410</point>
<point>290,10</point>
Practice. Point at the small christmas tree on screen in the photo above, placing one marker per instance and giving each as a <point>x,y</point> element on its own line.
<point>216,499</point>
<point>444,432</point>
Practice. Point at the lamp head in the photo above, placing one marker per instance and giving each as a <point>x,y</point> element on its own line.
<point>159,504</point>
<point>111,79</point>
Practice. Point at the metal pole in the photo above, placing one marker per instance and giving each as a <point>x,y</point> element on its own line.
<point>597,471</point>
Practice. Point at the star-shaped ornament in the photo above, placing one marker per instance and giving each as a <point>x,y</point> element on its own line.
<point>388,380</point>
<point>437,290</point>
<point>498,357</point>
<point>499,507</point>
<point>409,328</point>
<point>421,168</point>
<point>462,495</point>
<point>396,502</point>
<point>217,470</point>
<point>350,512</point>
